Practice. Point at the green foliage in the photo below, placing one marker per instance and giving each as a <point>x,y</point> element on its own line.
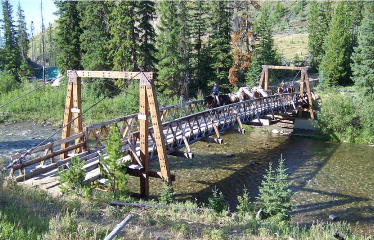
<point>147,36</point>
<point>335,68</point>
<point>167,195</point>
<point>67,36</point>
<point>7,82</point>
<point>121,29</point>
<point>245,206</point>
<point>275,195</point>
<point>265,53</point>
<point>94,26</point>
<point>219,42</point>
<point>72,179</point>
<point>362,58</point>
<point>115,168</point>
<point>173,48</point>
<point>343,118</point>
<point>217,201</point>
<point>319,19</point>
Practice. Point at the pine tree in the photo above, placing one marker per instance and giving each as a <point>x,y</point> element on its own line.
<point>95,35</point>
<point>168,55</point>
<point>219,41</point>
<point>185,49</point>
<point>147,36</point>
<point>265,53</point>
<point>363,56</point>
<point>68,36</point>
<point>335,67</point>
<point>122,49</point>
<point>117,174</point>
<point>275,195</point>
<point>10,52</point>
<point>23,43</point>
<point>198,9</point>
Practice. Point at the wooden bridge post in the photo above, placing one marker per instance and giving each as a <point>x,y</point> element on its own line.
<point>148,97</point>
<point>73,106</point>
<point>306,79</point>
<point>144,125</point>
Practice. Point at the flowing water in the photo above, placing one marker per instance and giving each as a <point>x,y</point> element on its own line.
<point>328,178</point>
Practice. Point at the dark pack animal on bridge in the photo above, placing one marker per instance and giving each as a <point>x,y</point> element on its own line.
<point>211,100</point>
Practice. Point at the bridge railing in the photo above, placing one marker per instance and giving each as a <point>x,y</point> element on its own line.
<point>183,124</point>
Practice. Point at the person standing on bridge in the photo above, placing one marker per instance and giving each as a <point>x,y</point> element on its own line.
<point>215,93</point>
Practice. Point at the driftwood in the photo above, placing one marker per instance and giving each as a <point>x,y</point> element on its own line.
<point>119,227</point>
<point>146,205</point>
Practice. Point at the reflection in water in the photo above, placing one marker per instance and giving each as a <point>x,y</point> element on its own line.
<point>328,178</point>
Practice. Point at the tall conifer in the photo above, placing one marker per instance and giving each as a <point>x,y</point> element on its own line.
<point>23,43</point>
<point>95,35</point>
<point>265,53</point>
<point>10,52</point>
<point>335,67</point>
<point>363,56</point>
<point>219,41</point>
<point>168,40</point>
<point>68,36</point>
<point>147,35</point>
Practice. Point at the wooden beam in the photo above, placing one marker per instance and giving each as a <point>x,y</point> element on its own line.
<point>286,67</point>
<point>266,68</point>
<point>157,128</point>
<point>144,131</point>
<point>310,100</point>
<point>112,74</point>
<point>68,113</point>
<point>77,104</point>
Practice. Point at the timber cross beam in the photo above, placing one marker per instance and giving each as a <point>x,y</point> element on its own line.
<point>147,103</point>
<point>304,79</point>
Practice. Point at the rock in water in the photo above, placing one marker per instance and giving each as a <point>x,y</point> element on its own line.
<point>338,236</point>
<point>333,218</point>
<point>230,155</point>
<point>275,131</point>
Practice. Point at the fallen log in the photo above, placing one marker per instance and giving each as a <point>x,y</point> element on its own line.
<point>118,228</point>
<point>147,205</point>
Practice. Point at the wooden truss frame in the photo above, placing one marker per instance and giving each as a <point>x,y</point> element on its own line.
<point>304,78</point>
<point>147,102</point>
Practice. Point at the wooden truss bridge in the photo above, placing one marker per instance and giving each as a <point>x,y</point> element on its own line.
<point>173,128</point>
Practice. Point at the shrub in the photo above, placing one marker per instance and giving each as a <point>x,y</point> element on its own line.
<point>244,207</point>
<point>115,169</point>
<point>72,179</point>
<point>275,195</point>
<point>217,201</point>
<point>167,195</point>
<point>7,82</point>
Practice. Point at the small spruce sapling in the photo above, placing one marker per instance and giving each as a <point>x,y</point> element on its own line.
<point>167,195</point>
<point>217,201</point>
<point>275,195</point>
<point>72,179</point>
<point>114,168</point>
<point>245,206</point>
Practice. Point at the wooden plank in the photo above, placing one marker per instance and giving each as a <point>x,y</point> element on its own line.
<point>153,174</point>
<point>262,77</point>
<point>46,168</point>
<point>112,74</point>
<point>39,159</point>
<point>266,78</point>
<point>118,228</point>
<point>37,149</point>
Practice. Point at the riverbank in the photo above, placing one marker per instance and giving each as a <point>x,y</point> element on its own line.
<point>31,214</point>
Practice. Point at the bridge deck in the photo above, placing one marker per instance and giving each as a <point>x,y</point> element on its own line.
<point>183,125</point>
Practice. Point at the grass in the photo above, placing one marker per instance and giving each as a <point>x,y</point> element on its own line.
<point>31,214</point>
<point>290,45</point>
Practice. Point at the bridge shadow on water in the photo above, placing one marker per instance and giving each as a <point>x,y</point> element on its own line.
<point>316,185</point>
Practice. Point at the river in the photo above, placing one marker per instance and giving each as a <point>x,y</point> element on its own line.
<point>327,177</point>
